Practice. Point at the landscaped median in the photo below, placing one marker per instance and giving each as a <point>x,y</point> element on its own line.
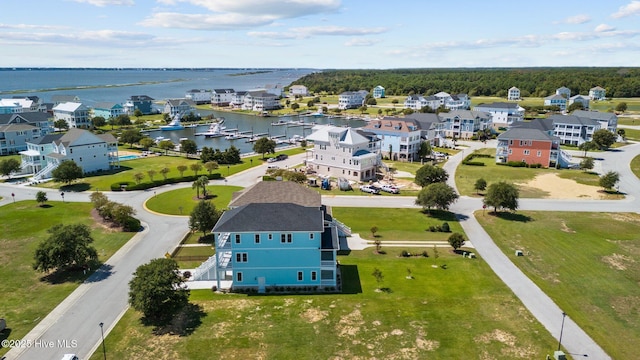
<point>182,201</point>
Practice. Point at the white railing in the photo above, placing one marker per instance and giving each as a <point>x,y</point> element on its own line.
<point>342,227</point>
<point>225,259</point>
<point>206,270</point>
<point>222,240</point>
<point>45,172</point>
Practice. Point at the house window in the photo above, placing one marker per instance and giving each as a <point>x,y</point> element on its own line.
<point>300,277</point>
<point>270,236</point>
<point>539,153</point>
<point>237,238</point>
<point>257,238</point>
<point>239,277</point>
<point>526,152</point>
<point>314,276</point>
<point>242,257</point>
<point>311,236</point>
<point>285,238</point>
<point>510,151</point>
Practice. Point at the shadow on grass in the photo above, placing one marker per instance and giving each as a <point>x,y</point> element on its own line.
<point>78,275</point>
<point>509,216</point>
<point>207,239</point>
<point>45,206</point>
<point>441,215</point>
<point>79,187</point>
<point>183,324</point>
<point>350,279</point>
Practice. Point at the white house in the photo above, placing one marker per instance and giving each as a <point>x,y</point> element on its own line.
<point>463,124</point>
<point>607,120</point>
<point>10,106</point>
<point>75,114</point>
<point>298,90</point>
<point>199,96</point>
<point>21,104</point>
<point>400,138</point>
<point>274,89</point>
<point>503,114</point>
<point>353,154</point>
<point>378,92</point>
<point>432,128</point>
<point>564,91</point>
<point>222,97</point>
<point>174,107</point>
<point>59,99</point>
<point>513,93</point>
<point>597,93</point>
<point>417,102</point>
<point>237,99</point>
<point>556,100</point>
<point>573,129</point>
<point>584,100</point>
<point>351,99</point>
<point>260,101</point>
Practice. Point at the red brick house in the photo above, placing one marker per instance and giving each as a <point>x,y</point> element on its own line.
<point>532,146</point>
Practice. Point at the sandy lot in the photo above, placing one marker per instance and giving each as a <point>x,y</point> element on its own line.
<point>559,188</point>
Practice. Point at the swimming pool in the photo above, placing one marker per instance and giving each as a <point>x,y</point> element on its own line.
<point>127,157</point>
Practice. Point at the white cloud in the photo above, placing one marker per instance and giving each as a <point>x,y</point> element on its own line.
<point>577,19</point>
<point>274,35</point>
<point>204,21</point>
<point>604,28</point>
<point>88,38</point>
<point>633,8</point>
<point>30,27</point>
<point>311,31</point>
<point>361,42</point>
<point>276,8</point>
<point>102,3</point>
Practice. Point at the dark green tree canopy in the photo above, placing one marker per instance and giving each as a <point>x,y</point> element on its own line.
<point>98,121</point>
<point>67,245</point>
<point>67,172</point>
<point>189,147</point>
<point>264,145</point>
<point>61,124</point>
<point>131,136</point>
<point>502,195</point>
<point>480,185</point>
<point>609,180</point>
<point>41,197</point>
<point>203,217</point>
<point>604,138</point>
<point>429,174</point>
<point>157,291</point>
<point>438,195</point>
<point>456,240</point>
<point>9,166</point>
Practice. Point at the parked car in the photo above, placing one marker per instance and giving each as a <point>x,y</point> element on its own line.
<point>273,159</point>
<point>390,189</point>
<point>282,157</point>
<point>369,189</point>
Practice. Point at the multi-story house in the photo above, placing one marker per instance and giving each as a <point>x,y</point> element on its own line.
<point>350,153</point>
<point>453,102</point>
<point>108,110</point>
<point>237,99</point>
<point>573,129</point>
<point>222,97</point>
<point>143,103</point>
<point>351,99</point>
<point>513,93</point>
<point>597,93</point>
<point>274,89</point>
<point>41,120</point>
<point>75,114</point>
<point>59,99</point>
<point>260,101</point>
<point>607,120</point>
<point>298,90</point>
<point>530,145</point>
<point>15,132</point>
<point>417,102</point>
<point>399,138</point>
<point>91,152</point>
<point>503,114</point>
<point>175,107</point>
<point>10,106</point>
<point>199,96</point>
<point>34,157</point>
<point>584,100</point>
<point>564,91</point>
<point>431,127</point>
<point>277,234</point>
<point>463,124</point>
<point>21,104</point>
<point>378,92</point>
<point>556,100</point>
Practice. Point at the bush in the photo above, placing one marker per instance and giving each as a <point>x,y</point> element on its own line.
<point>445,227</point>
<point>516,163</point>
<point>535,166</point>
<point>148,185</point>
<point>132,225</point>
<point>432,228</point>
<point>186,274</point>
<point>425,254</point>
<point>405,253</point>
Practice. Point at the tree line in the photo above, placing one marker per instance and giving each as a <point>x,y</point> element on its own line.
<point>619,82</point>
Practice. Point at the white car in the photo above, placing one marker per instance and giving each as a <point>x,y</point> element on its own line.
<point>390,189</point>
<point>369,189</point>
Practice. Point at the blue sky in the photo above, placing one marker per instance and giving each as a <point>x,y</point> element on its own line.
<point>318,33</point>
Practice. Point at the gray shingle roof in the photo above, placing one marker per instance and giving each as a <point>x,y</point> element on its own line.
<point>260,217</point>
<point>32,117</point>
<point>497,105</point>
<point>540,124</point>
<point>276,192</point>
<point>526,134</point>
<point>572,120</point>
<point>47,139</point>
<point>594,115</point>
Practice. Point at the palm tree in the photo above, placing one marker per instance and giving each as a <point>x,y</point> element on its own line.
<point>201,182</point>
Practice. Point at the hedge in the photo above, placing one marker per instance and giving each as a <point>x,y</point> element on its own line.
<point>130,186</point>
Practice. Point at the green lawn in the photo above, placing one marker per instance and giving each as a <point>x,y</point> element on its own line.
<point>24,226</point>
<point>462,312</point>
<point>587,263</point>
<point>396,224</point>
<point>635,166</point>
<point>632,134</point>
<point>182,201</point>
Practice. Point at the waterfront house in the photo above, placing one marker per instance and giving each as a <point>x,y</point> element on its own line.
<point>21,104</point>
<point>237,100</point>
<point>431,127</point>
<point>513,93</point>
<point>143,103</point>
<point>59,99</point>
<point>378,92</point>
<point>274,89</point>
<point>399,138</point>
<point>351,99</point>
<point>75,114</point>
<point>597,93</point>
<point>108,110</point>
<point>503,114</point>
<point>10,106</point>
<point>91,152</point>
<point>584,100</point>
<point>353,154</point>
<point>223,97</point>
<point>564,91</point>
<point>16,130</point>
<point>529,145</point>
<point>260,101</point>
<point>463,124</point>
<point>298,90</point>
<point>199,96</point>
<point>418,102</point>
<point>180,107</point>
<point>277,234</point>
<point>556,100</point>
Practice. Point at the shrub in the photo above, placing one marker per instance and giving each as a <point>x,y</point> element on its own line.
<point>214,288</point>
<point>535,166</point>
<point>516,163</point>
<point>405,253</point>
<point>425,254</point>
<point>432,228</point>
<point>445,227</point>
<point>186,274</point>
<point>131,224</point>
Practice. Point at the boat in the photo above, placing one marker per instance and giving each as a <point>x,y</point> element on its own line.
<point>159,138</point>
<point>175,124</point>
<point>280,122</point>
<point>215,130</point>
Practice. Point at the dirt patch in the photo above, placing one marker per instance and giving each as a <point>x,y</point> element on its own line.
<point>313,315</point>
<point>565,228</point>
<point>617,261</point>
<point>350,324</point>
<point>627,307</point>
<point>428,345</point>
<point>397,332</point>
<point>559,188</point>
<point>102,223</point>
<point>496,335</point>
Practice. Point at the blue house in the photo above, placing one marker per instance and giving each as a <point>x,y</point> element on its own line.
<point>143,103</point>
<point>108,110</point>
<point>378,92</point>
<point>276,234</point>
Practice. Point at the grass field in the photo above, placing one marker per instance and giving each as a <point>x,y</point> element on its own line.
<point>461,312</point>
<point>24,226</point>
<point>632,134</point>
<point>587,263</point>
<point>635,166</point>
<point>182,201</point>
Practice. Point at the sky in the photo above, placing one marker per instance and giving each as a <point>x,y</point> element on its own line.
<point>321,34</point>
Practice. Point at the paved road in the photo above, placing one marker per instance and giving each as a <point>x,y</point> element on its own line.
<point>103,298</point>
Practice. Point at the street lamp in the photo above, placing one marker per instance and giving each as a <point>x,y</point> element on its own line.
<point>13,196</point>
<point>62,194</point>
<point>228,170</point>
<point>251,161</point>
<point>104,350</point>
<point>561,328</point>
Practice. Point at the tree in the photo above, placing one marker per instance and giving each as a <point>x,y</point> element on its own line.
<point>98,121</point>
<point>502,195</point>
<point>456,240</point>
<point>609,180</point>
<point>164,171</point>
<point>297,177</point>
<point>295,106</point>
<point>394,102</point>
<point>147,142</point>
<point>210,166</point>
<point>121,213</point>
<point>264,145</point>
<point>67,245</point>
<point>67,172</point>
<point>204,217</point>
<point>621,107</point>
<point>9,166</point>
<point>138,177</point>
<point>137,113</point>
<point>196,168</point>
<point>41,197</point>
<point>586,163</point>
<point>182,169</point>
<point>131,136</point>
<point>207,154</point>
<point>604,138</point>
<point>166,117</point>
<point>438,195</point>
<point>157,290</point>
<point>123,120</point>
<point>201,183</point>
<point>390,152</point>
<point>61,124</point>
<point>425,150</point>
<point>189,147</point>
<point>575,106</point>
<point>374,230</point>
<point>429,174</point>
<point>151,174</point>
<point>587,146</point>
<point>480,185</point>
<point>622,134</point>
<point>166,145</point>
<point>377,274</point>
<point>98,199</point>
<point>362,109</point>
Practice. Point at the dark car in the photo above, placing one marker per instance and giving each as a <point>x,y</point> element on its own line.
<point>282,157</point>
